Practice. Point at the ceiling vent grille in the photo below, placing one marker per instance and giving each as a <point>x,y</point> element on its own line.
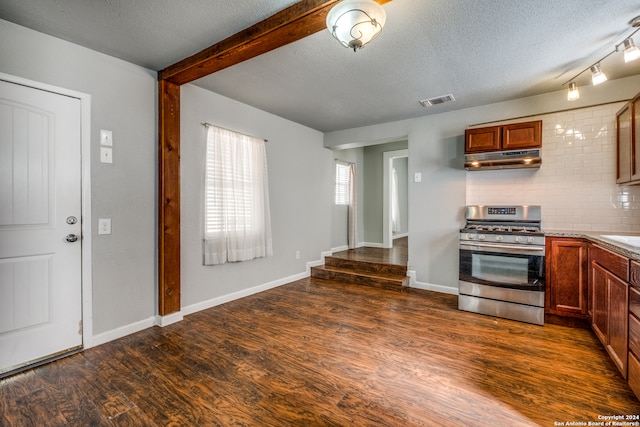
<point>437,100</point>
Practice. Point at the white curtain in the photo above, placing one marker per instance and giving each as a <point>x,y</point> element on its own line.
<point>395,202</point>
<point>237,219</point>
<point>353,211</point>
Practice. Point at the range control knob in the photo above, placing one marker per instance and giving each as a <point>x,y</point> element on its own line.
<point>499,238</point>
<point>530,239</point>
<point>518,239</point>
<point>471,236</point>
<point>482,237</point>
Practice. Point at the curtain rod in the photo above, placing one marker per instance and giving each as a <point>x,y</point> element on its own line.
<point>206,124</point>
<point>344,162</point>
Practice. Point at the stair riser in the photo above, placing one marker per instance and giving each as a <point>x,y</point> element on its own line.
<point>366,267</point>
<point>357,279</point>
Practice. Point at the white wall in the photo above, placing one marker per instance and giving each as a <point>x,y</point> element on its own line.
<point>123,100</point>
<point>576,183</point>
<point>436,149</point>
<point>301,177</point>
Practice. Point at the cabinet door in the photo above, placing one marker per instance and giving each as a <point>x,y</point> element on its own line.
<point>522,135</point>
<point>618,322</point>
<point>635,141</point>
<point>623,143</point>
<point>482,139</point>
<point>634,334</point>
<point>634,374</point>
<point>567,270</point>
<point>599,302</point>
<point>634,274</point>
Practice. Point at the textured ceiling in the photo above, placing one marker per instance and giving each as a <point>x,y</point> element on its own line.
<point>481,51</point>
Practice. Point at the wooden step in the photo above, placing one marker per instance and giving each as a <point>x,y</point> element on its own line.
<point>365,266</point>
<point>360,277</point>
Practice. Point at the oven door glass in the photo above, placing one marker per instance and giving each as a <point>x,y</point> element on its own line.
<point>516,271</point>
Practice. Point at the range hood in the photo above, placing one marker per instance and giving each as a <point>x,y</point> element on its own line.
<point>513,159</point>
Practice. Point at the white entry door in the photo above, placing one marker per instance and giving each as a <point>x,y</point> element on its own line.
<point>40,225</point>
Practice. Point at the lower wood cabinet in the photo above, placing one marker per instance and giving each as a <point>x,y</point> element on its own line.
<point>567,271</point>
<point>587,281</point>
<point>634,374</point>
<point>634,330</point>
<point>609,301</point>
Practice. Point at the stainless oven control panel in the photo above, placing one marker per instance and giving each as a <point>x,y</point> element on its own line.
<point>533,239</point>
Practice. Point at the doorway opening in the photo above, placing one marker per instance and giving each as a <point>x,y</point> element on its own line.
<point>394,196</point>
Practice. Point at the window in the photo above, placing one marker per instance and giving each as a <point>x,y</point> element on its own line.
<point>342,184</point>
<point>237,222</point>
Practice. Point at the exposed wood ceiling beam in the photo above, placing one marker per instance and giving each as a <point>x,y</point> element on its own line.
<point>291,24</point>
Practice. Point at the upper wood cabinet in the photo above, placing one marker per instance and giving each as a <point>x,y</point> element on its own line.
<point>516,136</point>
<point>628,143</point>
<point>483,139</point>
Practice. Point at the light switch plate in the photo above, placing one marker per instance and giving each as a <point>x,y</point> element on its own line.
<point>417,177</point>
<point>106,155</point>
<point>104,226</point>
<point>106,137</point>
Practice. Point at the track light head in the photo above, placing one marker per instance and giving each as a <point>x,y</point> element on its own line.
<point>597,76</point>
<point>631,51</point>
<point>573,93</point>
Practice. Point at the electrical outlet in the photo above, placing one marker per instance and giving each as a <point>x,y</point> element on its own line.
<point>297,254</point>
<point>106,155</point>
<point>104,226</point>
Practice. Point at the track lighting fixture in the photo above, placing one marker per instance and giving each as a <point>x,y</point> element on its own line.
<point>597,76</point>
<point>631,53</point>
<point>573,93</point>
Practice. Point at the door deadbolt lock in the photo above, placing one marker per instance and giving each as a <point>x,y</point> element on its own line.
<point>71,238</point>
<point>72,220</point>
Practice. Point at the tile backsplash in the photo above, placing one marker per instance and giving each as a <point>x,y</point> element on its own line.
<point>576,183</point>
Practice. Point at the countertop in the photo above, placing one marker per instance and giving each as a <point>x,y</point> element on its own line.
<point>600,238</point>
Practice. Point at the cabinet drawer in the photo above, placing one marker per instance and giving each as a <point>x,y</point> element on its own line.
<point>634,302</point>
<point>635,274</point>
<point>616,264</point>
<point>634,374</point>
<point>634,334</point>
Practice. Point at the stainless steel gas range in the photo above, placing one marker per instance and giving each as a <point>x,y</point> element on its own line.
<point>502,259</point>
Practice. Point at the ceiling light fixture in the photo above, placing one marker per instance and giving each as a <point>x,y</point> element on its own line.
<point>597,76</point>
<point>573,93</point>
<point>355,23</point>
<point>631,53</point>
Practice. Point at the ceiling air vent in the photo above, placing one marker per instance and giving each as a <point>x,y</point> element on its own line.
<point>437,100</point>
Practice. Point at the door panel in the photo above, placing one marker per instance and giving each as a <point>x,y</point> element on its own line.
<point>40,186</point>
<point>25,153</point>
<point>25,290</point>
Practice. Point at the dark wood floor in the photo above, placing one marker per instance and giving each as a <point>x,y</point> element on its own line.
<point>317,353</point>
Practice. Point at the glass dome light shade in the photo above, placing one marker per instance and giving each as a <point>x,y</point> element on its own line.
<point>354,23</point>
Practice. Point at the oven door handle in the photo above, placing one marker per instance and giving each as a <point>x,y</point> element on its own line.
<point>501,248</point>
